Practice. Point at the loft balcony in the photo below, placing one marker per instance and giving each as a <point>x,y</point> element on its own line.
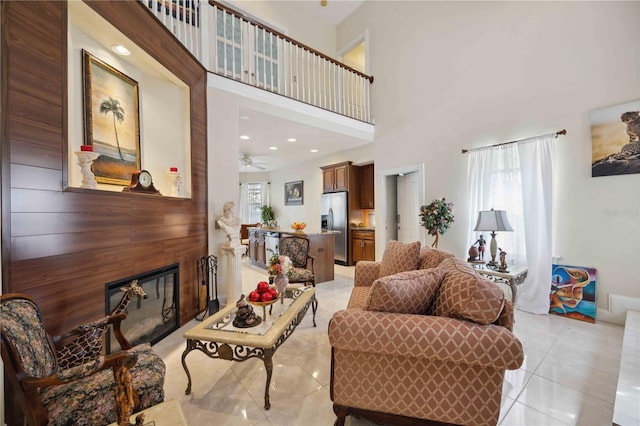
<point>232,45</point>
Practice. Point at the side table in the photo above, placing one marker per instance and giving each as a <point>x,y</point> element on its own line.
<point>513,278</point>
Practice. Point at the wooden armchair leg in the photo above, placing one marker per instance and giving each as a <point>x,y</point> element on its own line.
<point>341,414</point>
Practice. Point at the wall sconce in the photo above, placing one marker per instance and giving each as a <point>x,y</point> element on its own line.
<point>493,220</point>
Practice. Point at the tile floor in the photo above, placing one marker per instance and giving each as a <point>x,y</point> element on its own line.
<point>569,375</point>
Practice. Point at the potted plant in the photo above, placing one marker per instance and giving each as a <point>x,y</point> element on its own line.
<point>436,218</point>
<point>268,216</point>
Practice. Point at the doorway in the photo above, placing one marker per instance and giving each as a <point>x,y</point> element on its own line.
<point>407,208</point>
<point>356,53</point>
<point>403,192</point>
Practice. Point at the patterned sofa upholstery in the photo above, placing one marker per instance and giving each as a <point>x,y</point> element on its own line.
<point>429,343</point>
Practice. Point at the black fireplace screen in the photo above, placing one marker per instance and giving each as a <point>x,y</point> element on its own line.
<point>149,319</point>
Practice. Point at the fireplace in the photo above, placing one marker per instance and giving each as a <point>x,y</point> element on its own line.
<point>149,319</point>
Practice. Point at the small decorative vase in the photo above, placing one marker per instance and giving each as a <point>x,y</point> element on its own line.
<point>281,281</point>
<point>176,184</point>
<point>85,159</point>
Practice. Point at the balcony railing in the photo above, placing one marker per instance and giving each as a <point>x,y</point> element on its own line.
<point>250,52</point>
<point>183,19</point>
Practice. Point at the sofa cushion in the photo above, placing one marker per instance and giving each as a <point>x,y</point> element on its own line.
<point>410,292</point>
<point>431,258</point>
<point>466,295</point>
<point>399,257</point>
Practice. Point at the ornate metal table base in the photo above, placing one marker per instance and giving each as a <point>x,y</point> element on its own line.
<point>513,278</point>
<point>232,352</point>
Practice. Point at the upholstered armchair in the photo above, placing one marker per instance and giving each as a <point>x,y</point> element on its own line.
<point>67,380</point>
<point>422,345</point>
<point>297,249</point>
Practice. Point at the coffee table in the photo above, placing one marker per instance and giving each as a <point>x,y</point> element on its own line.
<point>217,337</point>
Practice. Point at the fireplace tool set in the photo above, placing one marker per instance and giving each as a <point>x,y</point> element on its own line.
<point>207,273</point>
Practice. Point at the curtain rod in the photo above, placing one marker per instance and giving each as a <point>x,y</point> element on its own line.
<point>464,151</point>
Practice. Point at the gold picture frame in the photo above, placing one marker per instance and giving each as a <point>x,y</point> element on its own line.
<point>111,120</point>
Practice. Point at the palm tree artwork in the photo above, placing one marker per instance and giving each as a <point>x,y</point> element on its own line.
<point>113,106</point>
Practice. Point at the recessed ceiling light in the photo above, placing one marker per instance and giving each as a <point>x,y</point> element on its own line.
<point>244,117</point>
<point>314,150</point>
<point>245,137</point>
<point>121,50</point>
<point>291,140</point>
<point>273,148</point>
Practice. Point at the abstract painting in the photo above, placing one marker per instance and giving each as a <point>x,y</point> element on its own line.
<point>112,121</point>
<point>573,292</point>
<point>615,140</point>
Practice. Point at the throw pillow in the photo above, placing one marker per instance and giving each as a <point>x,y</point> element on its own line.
<point>468,296</point>
<point>455,264</point>
<point>410,292</point>
<point>431,258</point>
<point>399,257</point>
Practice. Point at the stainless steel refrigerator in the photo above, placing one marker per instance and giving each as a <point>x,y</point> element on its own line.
<point>335,217</point>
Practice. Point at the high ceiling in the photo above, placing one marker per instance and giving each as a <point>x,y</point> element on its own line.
<point>334,12</point>
<point>266,131</point>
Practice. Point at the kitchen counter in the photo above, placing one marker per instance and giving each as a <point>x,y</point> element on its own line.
<point>305,232</point>
<point>362,228</point>
<point>321,248</point>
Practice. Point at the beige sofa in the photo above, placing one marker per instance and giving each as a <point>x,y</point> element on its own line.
<point>423,338</point>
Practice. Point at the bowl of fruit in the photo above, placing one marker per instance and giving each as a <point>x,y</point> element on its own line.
<point>263,295</point>
<point>298,226</point>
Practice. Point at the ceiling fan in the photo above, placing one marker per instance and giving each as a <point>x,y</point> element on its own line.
<point>246,161</point>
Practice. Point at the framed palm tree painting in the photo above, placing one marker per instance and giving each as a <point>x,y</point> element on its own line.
<point>111,120</point>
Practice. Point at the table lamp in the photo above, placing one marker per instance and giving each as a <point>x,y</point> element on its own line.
<point>493,220</point>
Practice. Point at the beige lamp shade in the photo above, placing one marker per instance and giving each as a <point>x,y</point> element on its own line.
<point>493,220</point>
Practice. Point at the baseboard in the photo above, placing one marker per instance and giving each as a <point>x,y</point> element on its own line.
<point>618,307</point>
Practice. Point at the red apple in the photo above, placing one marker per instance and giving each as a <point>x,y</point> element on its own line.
<point>266,297</point>
<point>254,296</point>
<point>273,292</point>
<point>263,286</point>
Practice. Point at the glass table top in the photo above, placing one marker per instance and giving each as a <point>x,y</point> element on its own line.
<point>219,326</point>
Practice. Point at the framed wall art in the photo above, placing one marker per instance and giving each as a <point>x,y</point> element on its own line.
<point>573,292</point>
<point>615,140</point>
<point>111,120</point>
<point>293,193</point>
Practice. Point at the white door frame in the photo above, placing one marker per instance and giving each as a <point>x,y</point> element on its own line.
<point>381,208</point>
<point>362,37</point>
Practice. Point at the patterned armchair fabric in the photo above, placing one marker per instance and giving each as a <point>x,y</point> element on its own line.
<point>297,248</point>
<point>84,391</point>
<point>394,366</point>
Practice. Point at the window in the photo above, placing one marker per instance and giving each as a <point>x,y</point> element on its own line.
<point>252,197</point>
<point>246,52</point>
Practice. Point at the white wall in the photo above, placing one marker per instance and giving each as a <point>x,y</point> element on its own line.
<point>452,75</point>
<point>292,19</point>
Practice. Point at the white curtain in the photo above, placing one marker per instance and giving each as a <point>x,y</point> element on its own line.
<point>494,183</point>
<point>518,178</point>
<point>537,158</point>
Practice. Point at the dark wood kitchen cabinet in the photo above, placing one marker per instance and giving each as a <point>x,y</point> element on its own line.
<point>367,193</point>
<point>337,177</point>
<point>363,245</point>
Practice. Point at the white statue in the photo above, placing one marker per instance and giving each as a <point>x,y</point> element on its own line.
<point>230,224</point>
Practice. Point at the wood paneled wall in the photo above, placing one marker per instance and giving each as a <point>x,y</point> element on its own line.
<point>62,245</point>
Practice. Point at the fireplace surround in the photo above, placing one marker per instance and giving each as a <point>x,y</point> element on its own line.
<point>149,319</point>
